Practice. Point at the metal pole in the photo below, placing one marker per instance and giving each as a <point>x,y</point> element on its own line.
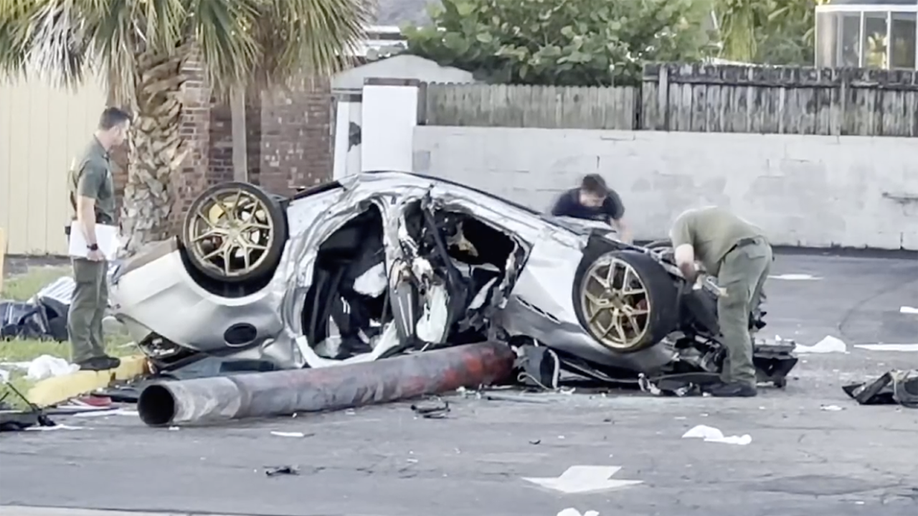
<point>331,388</point>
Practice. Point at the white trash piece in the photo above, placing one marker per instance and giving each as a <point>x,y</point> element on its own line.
<point>47,366</point>
<point>570,511</point>
<point>908,310</point>
<point>712,435</point>
<point>829,344</point>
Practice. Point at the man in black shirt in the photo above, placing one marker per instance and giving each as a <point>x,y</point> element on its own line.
<point>593,200</point>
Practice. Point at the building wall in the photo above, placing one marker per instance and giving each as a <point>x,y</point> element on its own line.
<point>42,128</point>
<point>804,190</point>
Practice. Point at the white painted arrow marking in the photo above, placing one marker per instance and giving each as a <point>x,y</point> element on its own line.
<point>584,479</point>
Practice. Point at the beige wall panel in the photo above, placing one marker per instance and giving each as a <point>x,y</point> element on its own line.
<point>42,128</point>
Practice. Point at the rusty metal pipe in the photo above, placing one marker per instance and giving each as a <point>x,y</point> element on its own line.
<point>276,393</point>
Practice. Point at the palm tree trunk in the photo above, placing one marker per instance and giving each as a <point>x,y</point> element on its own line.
<point>156,150</point>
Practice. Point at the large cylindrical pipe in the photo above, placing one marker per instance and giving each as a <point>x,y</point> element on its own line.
<point>330,388</point>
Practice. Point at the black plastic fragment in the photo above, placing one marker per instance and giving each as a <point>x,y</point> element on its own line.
<point>436,411</point>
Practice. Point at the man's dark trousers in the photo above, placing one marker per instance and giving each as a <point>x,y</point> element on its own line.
<point>87,308</point>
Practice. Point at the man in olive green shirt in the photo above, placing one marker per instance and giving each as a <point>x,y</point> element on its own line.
<point>92,198</point>
<point>739,255</point>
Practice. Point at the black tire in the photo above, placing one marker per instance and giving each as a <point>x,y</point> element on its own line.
<point>662,295</point>
<point>274,241</point>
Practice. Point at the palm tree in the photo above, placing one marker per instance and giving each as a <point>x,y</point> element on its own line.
<point>140,47</point>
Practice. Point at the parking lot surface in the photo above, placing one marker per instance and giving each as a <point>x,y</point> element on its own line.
<point>813,450</point>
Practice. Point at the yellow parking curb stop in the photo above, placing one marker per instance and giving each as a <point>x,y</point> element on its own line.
<point>52,391</point>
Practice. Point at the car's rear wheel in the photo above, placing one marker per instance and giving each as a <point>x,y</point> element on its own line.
<point>627,301</point>
<point>234,232</point>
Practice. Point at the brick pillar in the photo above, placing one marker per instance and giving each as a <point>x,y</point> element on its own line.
<point>253,136</point>
<point>220,167</point>
<point>295,138</point>
<point>195,130</point>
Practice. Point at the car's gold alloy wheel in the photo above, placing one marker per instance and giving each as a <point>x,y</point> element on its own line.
<point>231,232</point>
<point>615,304</point>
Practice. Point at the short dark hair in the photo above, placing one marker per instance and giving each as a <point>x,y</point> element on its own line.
<point>595,184</point>
<point>113,116</point>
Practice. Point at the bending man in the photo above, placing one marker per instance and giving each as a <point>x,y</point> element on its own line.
<point>593,200</point>
<point>739,255</point>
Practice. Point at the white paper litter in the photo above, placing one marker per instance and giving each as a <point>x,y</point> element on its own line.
<point>47,366</point>
<point>905,348</point>
<point>570,511</point>
<point>908,310</point>
<point>55,427</point>
<point>713,435</point>
<point>289,434</point>
<point>830,408</point>
<point>795,277</point>
<point>829,344</point>
<point>110,412</point>
<point>4,376</point>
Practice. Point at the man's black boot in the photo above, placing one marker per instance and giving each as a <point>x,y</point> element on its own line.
<point>733,390</point>
<point>103,363</point>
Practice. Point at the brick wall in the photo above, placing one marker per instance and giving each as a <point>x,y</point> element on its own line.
<point>288,141</point>
<point>296,144</point>
<point>220,165</point>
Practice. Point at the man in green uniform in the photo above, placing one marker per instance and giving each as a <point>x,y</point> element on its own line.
<point>92,197</point>
<point>739,255</point>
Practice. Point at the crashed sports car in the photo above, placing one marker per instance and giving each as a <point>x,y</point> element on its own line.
<point>386,263</point>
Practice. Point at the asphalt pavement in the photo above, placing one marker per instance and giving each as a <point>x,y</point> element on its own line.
<point>813,451</point>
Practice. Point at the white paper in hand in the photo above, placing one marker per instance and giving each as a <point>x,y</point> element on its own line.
<point>106,236</point>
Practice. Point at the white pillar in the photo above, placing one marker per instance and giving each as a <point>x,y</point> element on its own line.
<point>389,114</point>
<point>342,123</point>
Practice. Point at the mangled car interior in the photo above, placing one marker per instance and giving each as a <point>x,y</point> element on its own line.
<point>384,264</point>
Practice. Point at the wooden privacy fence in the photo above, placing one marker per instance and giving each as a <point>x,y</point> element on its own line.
<point>698,98</point>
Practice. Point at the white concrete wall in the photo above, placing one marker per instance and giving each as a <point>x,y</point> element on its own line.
<point>804,190</point>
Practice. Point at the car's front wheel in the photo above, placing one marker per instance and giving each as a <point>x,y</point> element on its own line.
<point>627,301</point>
<point>234,232</point>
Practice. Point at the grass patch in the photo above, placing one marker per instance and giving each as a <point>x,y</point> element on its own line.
<point>23,287</point>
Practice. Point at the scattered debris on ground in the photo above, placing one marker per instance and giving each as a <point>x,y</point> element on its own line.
<point>710,434</point>
<point>438,410</point>
<point>282,470</point>
<point>894,387</point>
<point>829,344</point>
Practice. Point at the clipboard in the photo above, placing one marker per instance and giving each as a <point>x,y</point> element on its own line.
<point>107,238</point>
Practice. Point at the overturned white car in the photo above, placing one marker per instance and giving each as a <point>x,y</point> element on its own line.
<point>384,263</point>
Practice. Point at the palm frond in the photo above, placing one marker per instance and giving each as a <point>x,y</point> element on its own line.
<point>16,35</point>
<point>303,39</point>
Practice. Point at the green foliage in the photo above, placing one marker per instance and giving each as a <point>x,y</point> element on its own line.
<point>779,32</point>
<point>240,42</point>
<point>569,43</point>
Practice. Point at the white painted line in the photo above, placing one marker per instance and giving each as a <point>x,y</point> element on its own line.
<point>908,310</point>
<point>584,479</point>
<point>905,348</point>
<point>12,510</point>
<point>795,277</point>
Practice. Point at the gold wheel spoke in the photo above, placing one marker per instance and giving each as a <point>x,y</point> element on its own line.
<point>241,223</point>
<point>205,218</point>
<point>216,252</point>
<point>623,292</point>
<point>214,232</point>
